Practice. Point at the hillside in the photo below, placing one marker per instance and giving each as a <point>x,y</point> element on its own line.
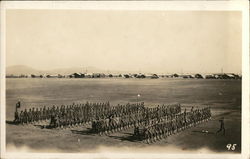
<point>26,70</point>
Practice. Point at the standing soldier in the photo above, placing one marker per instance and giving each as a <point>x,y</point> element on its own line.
<point>192,109</point>
<point>32,115</point>
<point>21,117</point>
<point>25,116</point>
<point>136,131</point>
<point>18,105</point>
<point>221,126</point>
<point>29,116</point>
<point>44,113</point>
<point>17,119</point>
<point>47,114</point>
<point>36,115</point>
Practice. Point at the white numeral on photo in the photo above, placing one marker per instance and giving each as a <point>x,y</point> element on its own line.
<point>231,146</point>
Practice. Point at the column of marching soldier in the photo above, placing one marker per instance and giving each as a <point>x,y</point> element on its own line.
<point>157,129</point>
<point>63,116</point>
<point>137,116</point>
<point>75,114</point>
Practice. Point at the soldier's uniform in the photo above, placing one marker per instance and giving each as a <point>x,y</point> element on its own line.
<point>30,116</point>
<point>222,127</point>
<point>17,118</point>
<point>25,115</point>
<point>33,115</point>
<point>21,117</point>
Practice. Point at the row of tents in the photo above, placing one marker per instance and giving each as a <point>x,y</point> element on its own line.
<point>140,75</point>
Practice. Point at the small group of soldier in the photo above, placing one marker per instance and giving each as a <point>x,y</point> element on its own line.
<point>160,129</point>
<point>32,115</point>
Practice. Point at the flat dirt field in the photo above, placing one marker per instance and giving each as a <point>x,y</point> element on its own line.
<point>224,97</point>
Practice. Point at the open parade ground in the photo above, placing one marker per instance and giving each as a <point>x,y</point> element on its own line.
<point>223,96</point>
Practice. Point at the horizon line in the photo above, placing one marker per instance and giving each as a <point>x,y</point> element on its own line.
<point>181,72</point>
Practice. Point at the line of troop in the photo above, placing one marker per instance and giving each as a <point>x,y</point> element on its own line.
<point>64,115</point>
<point>137,116</point>
<point>74,114</point>
<point>157,129</point>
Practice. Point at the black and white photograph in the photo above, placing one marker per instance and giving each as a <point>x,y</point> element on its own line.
<point>140,80</point>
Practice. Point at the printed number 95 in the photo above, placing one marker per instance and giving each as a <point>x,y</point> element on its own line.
<point>231,146</point>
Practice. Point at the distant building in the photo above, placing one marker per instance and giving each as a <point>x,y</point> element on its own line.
<point>168,76</point>
<point>174,75</point>
<point>140,76</point>
<point>11,76</point>
<point>185,76</point>
<point>126,76</point>
<point>155,76</point>
<point>134,75</point>
<point>77,75</point>
<point>237,76</point>
<point>60,76</point>
<point>115,75</point>
<point>98,75</point>
<point>198,76</point>
<point>33,76</point>
<point>233,76</point>
<point>88,75</point>
<point>210,77</point>
<point>221,76</point>
<point>51,76</point>
<point>152,76</point>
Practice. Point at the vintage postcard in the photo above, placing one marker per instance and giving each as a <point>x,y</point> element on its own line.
<point>125,79</point>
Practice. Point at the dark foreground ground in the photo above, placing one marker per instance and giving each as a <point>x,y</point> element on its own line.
<point>224,96</point>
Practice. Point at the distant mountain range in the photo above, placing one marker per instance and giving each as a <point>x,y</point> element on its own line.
<point>26,70</point>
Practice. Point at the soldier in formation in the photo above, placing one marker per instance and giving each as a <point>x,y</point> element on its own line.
<point>154,131</point>
<point>156,122</point>
<point>63,115</point>
<point>133,117</point>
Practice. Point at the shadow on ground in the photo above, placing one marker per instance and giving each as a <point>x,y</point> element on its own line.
<point>130,137</point>
<point>83,132</point>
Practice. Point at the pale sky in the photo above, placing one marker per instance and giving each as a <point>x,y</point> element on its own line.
<point>149,41</point>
